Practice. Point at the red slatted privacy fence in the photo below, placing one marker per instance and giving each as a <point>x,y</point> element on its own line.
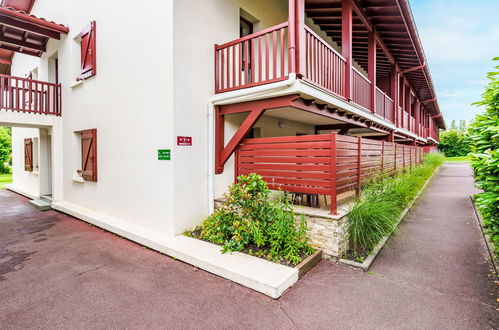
<point>327,164</point>
<point>31,96</point>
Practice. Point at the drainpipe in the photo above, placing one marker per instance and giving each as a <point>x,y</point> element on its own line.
<point>211,125</point>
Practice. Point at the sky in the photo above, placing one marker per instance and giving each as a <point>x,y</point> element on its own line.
<point>460,38</point>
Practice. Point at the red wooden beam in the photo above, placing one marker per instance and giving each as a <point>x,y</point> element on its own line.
<point>300,37</point>
<point>332,171</point>
<point>346,44</point>
<point>371,70</point>
<point>242,131</point>
<point>256,109</point>
<point>276,102</point>
<point>413,68</point>
<point>219,139</point>
<point>292,36</point>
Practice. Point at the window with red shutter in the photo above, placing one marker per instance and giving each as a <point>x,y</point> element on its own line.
<point>88,55</point>
<point>89,154</point>
<point>28,154</point>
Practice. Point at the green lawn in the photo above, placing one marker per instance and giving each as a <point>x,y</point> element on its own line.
<point>5,179</point>
<point>461,159</point>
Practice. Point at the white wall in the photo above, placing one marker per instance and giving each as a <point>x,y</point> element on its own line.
<point>21,179</point>
<point>129,101</point>
<point>197,28</point>
<point>139,103</point>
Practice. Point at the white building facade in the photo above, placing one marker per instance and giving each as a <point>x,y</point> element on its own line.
<point>151,85</point>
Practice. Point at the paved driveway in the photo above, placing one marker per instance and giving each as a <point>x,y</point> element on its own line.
<point>59,272</point>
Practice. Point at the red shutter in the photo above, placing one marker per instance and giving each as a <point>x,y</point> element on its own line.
<point>88,58</point>
<point>28,155</point>
<point>89,154</point>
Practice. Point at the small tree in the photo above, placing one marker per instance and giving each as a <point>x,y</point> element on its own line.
<point>454,143</point>
<point>5,150</point>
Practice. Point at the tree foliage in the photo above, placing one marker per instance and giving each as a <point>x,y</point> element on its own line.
<point>5,149</point>
<point>454,143</point>
<point>484,137</point>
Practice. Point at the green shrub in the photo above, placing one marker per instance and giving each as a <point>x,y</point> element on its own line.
<point>484,136</point>
<point>5,150</point>
<point>249,218</point>
<point>376,211</point>
<point>454,143</point>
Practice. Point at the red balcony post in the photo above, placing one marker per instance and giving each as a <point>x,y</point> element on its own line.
<point>394,156</point>
<point>346,44</point>
<point>371,70</point>
<point>292,36</point>
<point>359,165</point>
<point>395,92</point>
<point>300,37</point>
<point>332,171</point>
<point>219,139</point>
<point>382,155</point>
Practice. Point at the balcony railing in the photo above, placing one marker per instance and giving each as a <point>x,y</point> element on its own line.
<point>257,59</point>
<point>263,58</point>
<point>29,96</point>
<point>325,67</point>
<point>384,105</point>
<point>361,89</point>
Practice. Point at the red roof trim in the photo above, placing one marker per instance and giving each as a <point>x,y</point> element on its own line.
<point>20,15</point>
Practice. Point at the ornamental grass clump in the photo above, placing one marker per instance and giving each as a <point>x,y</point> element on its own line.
<point>375,213</point>
<point>251,221</point>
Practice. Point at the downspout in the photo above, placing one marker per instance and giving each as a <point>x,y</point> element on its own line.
<point>211,126</point>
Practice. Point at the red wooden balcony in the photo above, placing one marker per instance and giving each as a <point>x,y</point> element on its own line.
<point>263,58</point>
<point>369,59</point>
<point>29,96</point>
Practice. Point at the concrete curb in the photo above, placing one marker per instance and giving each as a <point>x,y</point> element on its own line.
<point>370,258</point>
<point>486,237</point>
<point>269,278</point>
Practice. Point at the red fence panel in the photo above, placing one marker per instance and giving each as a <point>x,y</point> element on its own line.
<point>327,164</point>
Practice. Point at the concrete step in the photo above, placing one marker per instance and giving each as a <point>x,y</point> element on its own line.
<point>46,198</point>
<point>40,204</point>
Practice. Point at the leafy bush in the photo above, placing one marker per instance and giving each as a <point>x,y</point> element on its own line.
<point>250,219</point>
<point>484,136</point>
<point>376,211</point>
<point>5,150</point>
<point>454,143</point>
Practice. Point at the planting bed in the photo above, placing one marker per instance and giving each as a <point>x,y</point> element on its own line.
<point>261,252</point>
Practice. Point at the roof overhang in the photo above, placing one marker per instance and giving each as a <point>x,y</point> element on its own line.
<point>27,34</point>
<point>397,36</point>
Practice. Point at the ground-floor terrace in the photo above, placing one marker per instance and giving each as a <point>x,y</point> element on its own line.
<point>309,147</point>
<point>60,272</point>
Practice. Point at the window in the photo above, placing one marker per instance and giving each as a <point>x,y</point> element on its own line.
<point>88,161</point>
<point>245,27</point>
<point>28,154</point>
<point>88,67</point>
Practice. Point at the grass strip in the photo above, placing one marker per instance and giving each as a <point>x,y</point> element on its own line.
<point>375,213</point>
